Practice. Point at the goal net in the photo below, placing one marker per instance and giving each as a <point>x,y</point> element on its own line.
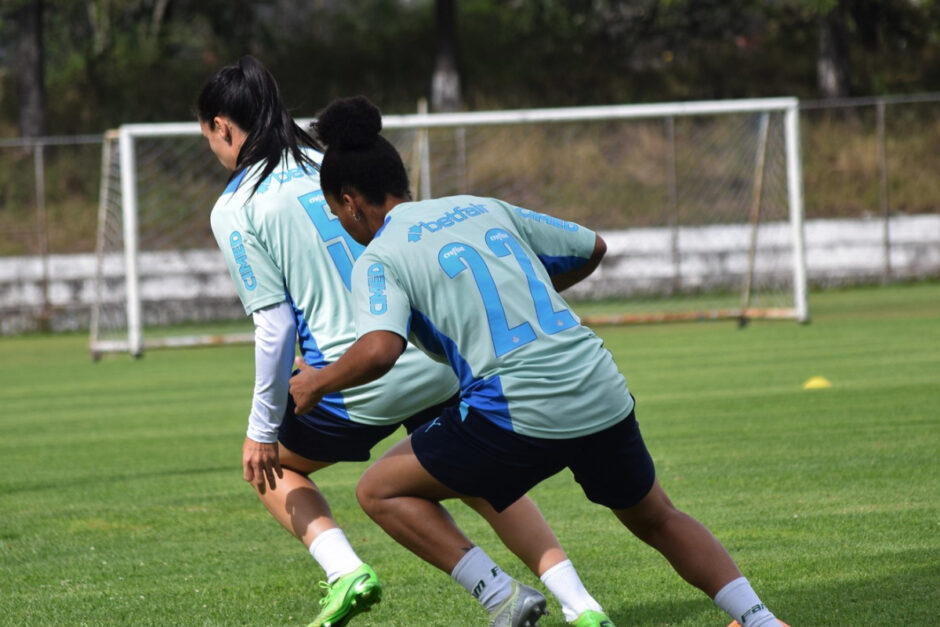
<point>700,204</point>
<point>160,280</point>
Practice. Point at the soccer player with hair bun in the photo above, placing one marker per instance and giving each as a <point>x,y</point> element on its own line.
<point>475,282</point>
<point>291,262</point>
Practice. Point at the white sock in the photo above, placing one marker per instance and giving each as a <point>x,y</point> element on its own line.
<point>741,602</point>
<point>334,554</point>
<point>482,578</point>
<point>563,581</point>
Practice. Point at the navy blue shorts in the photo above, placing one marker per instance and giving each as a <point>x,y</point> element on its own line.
<point>324,437</point>
<point>477,458</point>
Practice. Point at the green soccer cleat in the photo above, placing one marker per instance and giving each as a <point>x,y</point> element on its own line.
<point>522,608</point>
<point>590,618</point>
<point>350,595</point>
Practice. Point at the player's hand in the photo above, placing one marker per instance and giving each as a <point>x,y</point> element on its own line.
<point>303,387</point>
<point>260,464</point>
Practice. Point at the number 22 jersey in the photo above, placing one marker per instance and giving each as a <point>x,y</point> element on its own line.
<point>468,280</point>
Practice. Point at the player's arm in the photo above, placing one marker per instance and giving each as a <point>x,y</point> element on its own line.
<point>260,286</point>
<point>565,280</point>
<point>568,251</point>
<point>275,331</point>
<point>383,314</point>
<point>370,357</point>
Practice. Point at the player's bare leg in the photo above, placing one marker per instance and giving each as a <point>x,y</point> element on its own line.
<point>690,547</point>
<point>296,502</point>
<point>696,555</point>
<point>523,530</point>
<point>404,499</point>
<point>425,528</point>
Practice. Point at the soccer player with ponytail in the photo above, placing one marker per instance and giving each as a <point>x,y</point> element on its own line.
<point>291,262</point>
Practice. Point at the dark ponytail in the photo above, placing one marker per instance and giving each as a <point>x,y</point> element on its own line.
<point>356,155</point>
<point>247,94</point>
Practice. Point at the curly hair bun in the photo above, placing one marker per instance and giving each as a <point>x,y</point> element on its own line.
<point>349,123</point>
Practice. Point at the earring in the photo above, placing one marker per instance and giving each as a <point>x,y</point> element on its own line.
<point>358,217</point>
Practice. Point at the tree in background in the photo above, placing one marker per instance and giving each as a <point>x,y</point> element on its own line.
<point>832,65</point>
<point>873,46</point>
<point>26,24</point>
<point>114,61</point>
<point>445,82</point>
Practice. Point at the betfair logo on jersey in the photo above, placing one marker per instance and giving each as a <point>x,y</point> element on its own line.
<point>378,303</point>
<point>547,219</point>
<point>241,259</point>
<point>283,176</point>
<point>450,218</point>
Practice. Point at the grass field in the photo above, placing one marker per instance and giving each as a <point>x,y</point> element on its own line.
<point>122,503</point>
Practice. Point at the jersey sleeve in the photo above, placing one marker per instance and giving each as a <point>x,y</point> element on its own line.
<point>561,246</point>
<point>380,302</point>
<point>257,278</point>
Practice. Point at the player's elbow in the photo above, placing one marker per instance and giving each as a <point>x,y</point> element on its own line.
<point>600,248</point>
<point>380,350</point>
<point>380,364</point>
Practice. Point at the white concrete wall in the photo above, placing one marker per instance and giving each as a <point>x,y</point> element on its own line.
<point>838,252</point>
<point>178,286</point>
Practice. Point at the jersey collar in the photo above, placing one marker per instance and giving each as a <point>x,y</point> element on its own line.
<point>388,219</point>
<point>235,182</point>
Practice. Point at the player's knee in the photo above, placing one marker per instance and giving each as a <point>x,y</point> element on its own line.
<point>367,492</point>
<point>651,516</point>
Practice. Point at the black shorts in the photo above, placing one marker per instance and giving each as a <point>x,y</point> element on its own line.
<point>324,437</point>
<point>475,457</point>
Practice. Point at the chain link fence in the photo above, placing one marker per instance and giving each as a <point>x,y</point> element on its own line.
<point>869,159</point>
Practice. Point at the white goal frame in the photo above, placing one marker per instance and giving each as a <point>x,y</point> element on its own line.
<point>788,106</point>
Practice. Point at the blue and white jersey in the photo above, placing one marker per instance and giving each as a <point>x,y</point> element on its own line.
<point>468,280</point>
<point>282,244</point>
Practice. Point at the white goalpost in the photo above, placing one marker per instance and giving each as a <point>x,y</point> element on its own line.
<point>700,202</point>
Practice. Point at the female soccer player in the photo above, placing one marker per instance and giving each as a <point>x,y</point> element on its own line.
<point>291,263</point>
<point>473,281</point>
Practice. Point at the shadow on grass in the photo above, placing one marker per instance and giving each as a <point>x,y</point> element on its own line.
<point>877,600</point>
<point>695,612</point>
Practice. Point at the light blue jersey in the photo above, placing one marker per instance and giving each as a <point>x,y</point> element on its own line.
<point>468,280</point>
<point>283,244</point>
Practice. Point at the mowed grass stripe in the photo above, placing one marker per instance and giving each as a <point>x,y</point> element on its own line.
<point>122,500</point>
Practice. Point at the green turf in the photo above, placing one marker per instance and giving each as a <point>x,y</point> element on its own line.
<point>121,499</point>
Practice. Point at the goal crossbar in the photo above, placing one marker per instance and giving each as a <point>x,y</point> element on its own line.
<point>422,123</point>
